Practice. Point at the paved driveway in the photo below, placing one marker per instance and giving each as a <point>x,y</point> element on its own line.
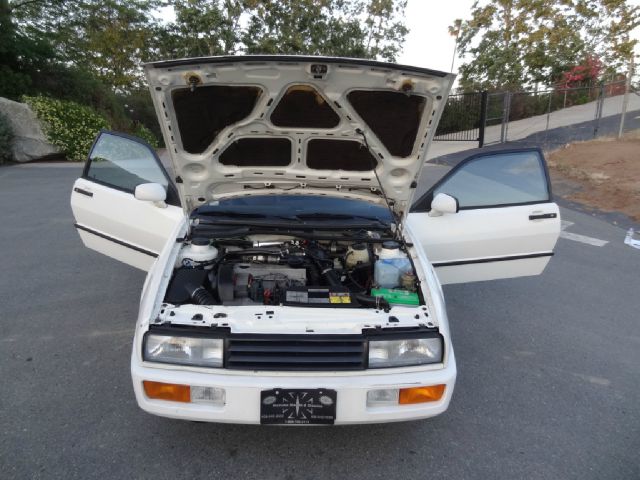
<point>548,386</point>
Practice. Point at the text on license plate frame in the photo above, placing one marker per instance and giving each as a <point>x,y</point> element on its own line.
<point>298,406</point>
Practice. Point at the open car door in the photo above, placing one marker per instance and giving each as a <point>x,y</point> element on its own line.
<point>124,204</point>
<point>490,217</point>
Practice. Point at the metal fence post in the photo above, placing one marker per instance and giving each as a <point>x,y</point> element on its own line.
<point>506,117</point>
<point>483,117</point>
<point>505,100</point>
<point>546,129</point>
<point>599,105</point>
<point>625,100</point>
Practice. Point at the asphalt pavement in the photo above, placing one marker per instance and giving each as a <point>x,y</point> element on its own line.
<point>548,371</point>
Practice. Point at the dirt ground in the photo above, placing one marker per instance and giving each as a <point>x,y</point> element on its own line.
<point>604,174</point>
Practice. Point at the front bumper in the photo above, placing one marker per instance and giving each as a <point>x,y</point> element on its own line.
<point>243,393</point>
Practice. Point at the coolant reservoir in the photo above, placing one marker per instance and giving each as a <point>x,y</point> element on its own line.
<point>392,263</point>
<point>358,253</point>
<point>198,251</point>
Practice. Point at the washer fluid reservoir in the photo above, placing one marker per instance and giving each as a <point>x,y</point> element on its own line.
<point>392,263</point>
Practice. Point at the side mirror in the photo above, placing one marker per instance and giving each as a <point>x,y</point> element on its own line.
<point>443,203</point>
<point>151,192</point>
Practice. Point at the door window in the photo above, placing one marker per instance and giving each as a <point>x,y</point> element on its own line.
<point>503,178</point>
<point>123,163</point>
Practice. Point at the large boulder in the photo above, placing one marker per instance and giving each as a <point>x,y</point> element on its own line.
<point>29,142</point>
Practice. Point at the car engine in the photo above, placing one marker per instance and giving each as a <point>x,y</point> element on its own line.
<point>291,272</point>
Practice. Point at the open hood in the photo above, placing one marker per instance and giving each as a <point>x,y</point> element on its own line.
<point>256,125</point>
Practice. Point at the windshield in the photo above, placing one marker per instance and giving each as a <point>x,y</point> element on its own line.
<point>296,207</point>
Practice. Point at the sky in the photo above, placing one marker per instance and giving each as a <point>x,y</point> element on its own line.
<point>429,43</point>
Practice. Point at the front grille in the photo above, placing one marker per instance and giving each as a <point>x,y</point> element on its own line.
<point>295,352</point>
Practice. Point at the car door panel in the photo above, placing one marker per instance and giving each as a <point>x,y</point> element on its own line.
<point>487,244</point>
<point>108,217</point>
<point>496,240</point>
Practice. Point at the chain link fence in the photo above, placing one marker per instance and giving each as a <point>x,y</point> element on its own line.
<point>546,118</point>
<point>553,118</point>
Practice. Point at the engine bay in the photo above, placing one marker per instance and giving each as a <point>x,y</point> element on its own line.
<point>286,270</point>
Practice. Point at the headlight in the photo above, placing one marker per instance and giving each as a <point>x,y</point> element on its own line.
<point>402,353</point>
<point>202,352</point>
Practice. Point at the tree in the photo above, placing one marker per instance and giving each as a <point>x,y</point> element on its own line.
<point>516,42</point>
<point>585,74</point>
<point>520,43</point>
<point>371,29</point>
<point>608,25</point>
<point>21,57</point>
<point>385,28</point>
<point>454,31</point>
<point>107,37</point>
<point>203,27</point>
<point>353,28</point>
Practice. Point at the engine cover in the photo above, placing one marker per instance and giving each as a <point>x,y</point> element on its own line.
<point>269,276</point>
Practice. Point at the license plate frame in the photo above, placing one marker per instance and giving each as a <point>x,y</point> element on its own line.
<point>298,406</point>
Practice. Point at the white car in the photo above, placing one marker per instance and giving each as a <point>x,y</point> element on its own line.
<point>292,277</point>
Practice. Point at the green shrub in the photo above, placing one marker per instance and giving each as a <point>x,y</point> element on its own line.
<point>6,135</point>
<point>77,85</point>
<point>145,134</point>
<point>68,125</point>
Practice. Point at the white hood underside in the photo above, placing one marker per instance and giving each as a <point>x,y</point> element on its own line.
<point>259,125</point>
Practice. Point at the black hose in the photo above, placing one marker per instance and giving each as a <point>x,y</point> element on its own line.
<point>373,302</point>
<point>355,283</point>
<point>200,295</point>
<point>361,288</point>
<point>313,273</point>
<point>331,276</point>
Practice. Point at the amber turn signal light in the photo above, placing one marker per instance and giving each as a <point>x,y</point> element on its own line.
<point>167,391</point>
<point>432,393</point>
